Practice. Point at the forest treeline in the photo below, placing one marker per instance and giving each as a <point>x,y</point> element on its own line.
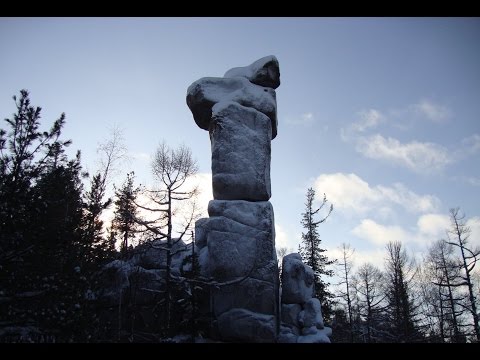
<point>408,300</point>
<point>54,244</point>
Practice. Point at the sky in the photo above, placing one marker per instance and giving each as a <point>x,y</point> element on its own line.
<point>380,114</point>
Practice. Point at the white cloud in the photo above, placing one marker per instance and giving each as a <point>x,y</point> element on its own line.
<point>432,226</point>
<point>376,257</point>
<point>307,118</point>
<point>204,183</point>
<point>434,112</point>
<point>429,228</point>
<point>474,224</point>
<point>471,144</point>
<point>348,192</point>
<point>379,234</point>
<point>471,180</point>
<point>416,156</point>
<point>141,156</point>
<point>368,119</point>
<point>281,237</point>
<point>401,195</point>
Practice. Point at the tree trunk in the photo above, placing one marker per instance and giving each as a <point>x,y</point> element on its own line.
<point>168,289</point>
<point>469,281</point>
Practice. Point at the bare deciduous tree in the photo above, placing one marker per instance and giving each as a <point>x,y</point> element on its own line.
<point>458,236</point>
<point>171,169</point>
<point>368,283</point>
<point>345,266</point>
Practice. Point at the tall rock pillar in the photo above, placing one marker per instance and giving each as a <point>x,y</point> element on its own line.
<point>236,243</point>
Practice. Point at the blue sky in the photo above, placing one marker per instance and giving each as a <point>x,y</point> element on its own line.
<point>381,114</point>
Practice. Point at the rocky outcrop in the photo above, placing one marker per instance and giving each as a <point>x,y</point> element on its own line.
<point>128,292</point>
<point>302,320</point>
<point>236,243</point>
<point>240,138</point>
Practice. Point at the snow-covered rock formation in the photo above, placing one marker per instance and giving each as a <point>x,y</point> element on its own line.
<point>302,320</point>
<point>237,242</point>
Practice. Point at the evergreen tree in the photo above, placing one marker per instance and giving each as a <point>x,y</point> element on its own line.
<point>312,253</point>
<point>40,243</point>
<point>24,153</point>
<point>97,248</point>
<point>124,222</point>
<point>401,310</point>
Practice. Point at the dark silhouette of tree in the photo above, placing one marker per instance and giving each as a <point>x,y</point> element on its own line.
<point>171,169</point>
<point>346,290</point>
<point>368,283</point>
<point>124,223</point>
<point>112,152</point>
<point>443,273</point>
<point>312,253</point>
<point>458,236</point>
<point>25,152</point>
<point>42,278</point>
<point>401,310</point>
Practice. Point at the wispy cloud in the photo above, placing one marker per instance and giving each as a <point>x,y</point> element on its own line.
<point>417,156</point>
<point>434,112</point>
<point>141,156</point>
<point>471,180</point>
<point>350,193</point>
<point>368,119</point>
<point>429,228</point>
<point>305,119</point>
<point>471,144</point>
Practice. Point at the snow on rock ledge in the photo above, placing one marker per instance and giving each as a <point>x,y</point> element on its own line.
<point>263,72</point>
<point>204,93</point>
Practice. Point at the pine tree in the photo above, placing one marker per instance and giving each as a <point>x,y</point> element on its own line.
<point>312,253</point>
<point>97,248</point>
<point>40,244</point>
<point>124,222</point>
<point>402,310</point>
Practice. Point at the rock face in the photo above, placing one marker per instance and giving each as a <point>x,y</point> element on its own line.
<point>208,91</point>
<point>240,139</point>
<point>263,72</point>
<point>302,320</point>
<point>236,244</point>
<point>297,280</point>
<point>129,290</point>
